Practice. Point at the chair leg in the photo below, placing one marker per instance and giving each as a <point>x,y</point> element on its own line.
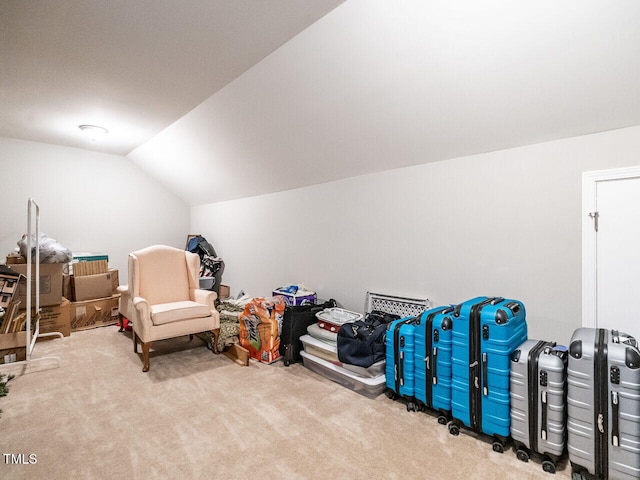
<point>145,355</point>
<point>216,336</point>
<point>135,342</point>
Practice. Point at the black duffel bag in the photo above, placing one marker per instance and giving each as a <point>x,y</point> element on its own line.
<point>362,342</point>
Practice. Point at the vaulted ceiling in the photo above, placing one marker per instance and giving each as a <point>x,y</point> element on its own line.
<point>220,100</point>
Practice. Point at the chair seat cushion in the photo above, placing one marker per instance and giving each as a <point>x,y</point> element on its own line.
<point>176,311</point>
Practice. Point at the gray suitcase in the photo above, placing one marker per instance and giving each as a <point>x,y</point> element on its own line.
<point>603,394</point>
<point>539,402</point>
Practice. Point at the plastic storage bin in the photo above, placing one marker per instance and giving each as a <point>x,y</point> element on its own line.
<point>320,349</point>
<point>369,387</point>
<point>329,352</point>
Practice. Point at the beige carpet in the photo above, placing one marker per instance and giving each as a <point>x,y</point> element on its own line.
<point>198,415</point>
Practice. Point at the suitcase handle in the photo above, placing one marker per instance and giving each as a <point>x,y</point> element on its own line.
<point>485,374</point>
<point>543,427</point>
<point>615,413</point>
<point>496,300</point>
<point>435,366</point>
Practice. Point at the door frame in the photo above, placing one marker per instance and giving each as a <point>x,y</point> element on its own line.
<point>589,238</point>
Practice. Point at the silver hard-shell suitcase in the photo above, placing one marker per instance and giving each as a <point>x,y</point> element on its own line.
<point>603,395</point>
<point>539,401</point>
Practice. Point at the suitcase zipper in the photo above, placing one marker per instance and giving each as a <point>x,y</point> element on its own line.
<point>475,398</point>
<point>600,403</point>
<point>399,354</point>
<point>429,361</point>
<point>431,357</point>
<point>533,362</point>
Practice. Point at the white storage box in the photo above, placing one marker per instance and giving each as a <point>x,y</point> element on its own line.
<point>333,318</point>
<point>329,351</point>
<point>369,387</point>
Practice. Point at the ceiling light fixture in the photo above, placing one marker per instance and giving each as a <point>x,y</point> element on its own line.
<point>94,132</point>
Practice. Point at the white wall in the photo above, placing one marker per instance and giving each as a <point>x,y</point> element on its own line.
<point>504,223</point>
<point>88,201</point>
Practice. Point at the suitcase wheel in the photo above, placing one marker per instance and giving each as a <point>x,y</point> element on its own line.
<point>411,407</point>
<point>498,447</point>
<point>442,420</point>
<point>454,429</point>
<point>286,362</point>
<point>391,395</point>
<point>549,467</point>
<point>522,455</point>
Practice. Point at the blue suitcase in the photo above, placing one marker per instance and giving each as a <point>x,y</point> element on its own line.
<point>486,331</point>
<point>432,340</point>
<point>399,355</point>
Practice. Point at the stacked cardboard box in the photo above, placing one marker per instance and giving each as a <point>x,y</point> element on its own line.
<point>93,289</point>
<point>50,283</point>
<point>54,308</point>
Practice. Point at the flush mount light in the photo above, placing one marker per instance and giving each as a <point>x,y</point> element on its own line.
<point>94,132</point>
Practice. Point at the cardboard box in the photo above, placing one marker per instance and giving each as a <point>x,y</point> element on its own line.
<point>225,292</point>
<point>93,267</point>
<point>13,343</point>
<point>94,313</point>
<point>14,258</point>
<point>67,288</point>
<point>50,284</point>
<point>55,318</point>
<point>91,287</point>
<point>115,281</point>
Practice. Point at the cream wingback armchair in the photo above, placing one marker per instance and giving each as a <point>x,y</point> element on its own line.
<point>165,300</point>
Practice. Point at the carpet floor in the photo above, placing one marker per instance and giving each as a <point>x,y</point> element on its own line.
<point>93,414</point>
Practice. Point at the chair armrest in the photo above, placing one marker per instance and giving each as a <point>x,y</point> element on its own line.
<point>123,289</point>
<point>206,297</point>
<point>142,308</point>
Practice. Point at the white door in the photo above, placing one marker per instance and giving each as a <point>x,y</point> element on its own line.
<point>614,225</point>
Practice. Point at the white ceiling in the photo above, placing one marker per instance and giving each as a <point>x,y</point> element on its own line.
<point>131,66</point>
<point>204,100</point>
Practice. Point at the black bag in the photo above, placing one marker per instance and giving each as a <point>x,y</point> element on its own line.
<point>295,321</point>
<point>362,342</point>
<point>201,246</point>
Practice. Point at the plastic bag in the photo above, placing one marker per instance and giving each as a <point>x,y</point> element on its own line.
<point>50,250</point>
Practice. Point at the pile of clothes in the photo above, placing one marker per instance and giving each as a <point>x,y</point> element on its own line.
<point>230,310</point>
